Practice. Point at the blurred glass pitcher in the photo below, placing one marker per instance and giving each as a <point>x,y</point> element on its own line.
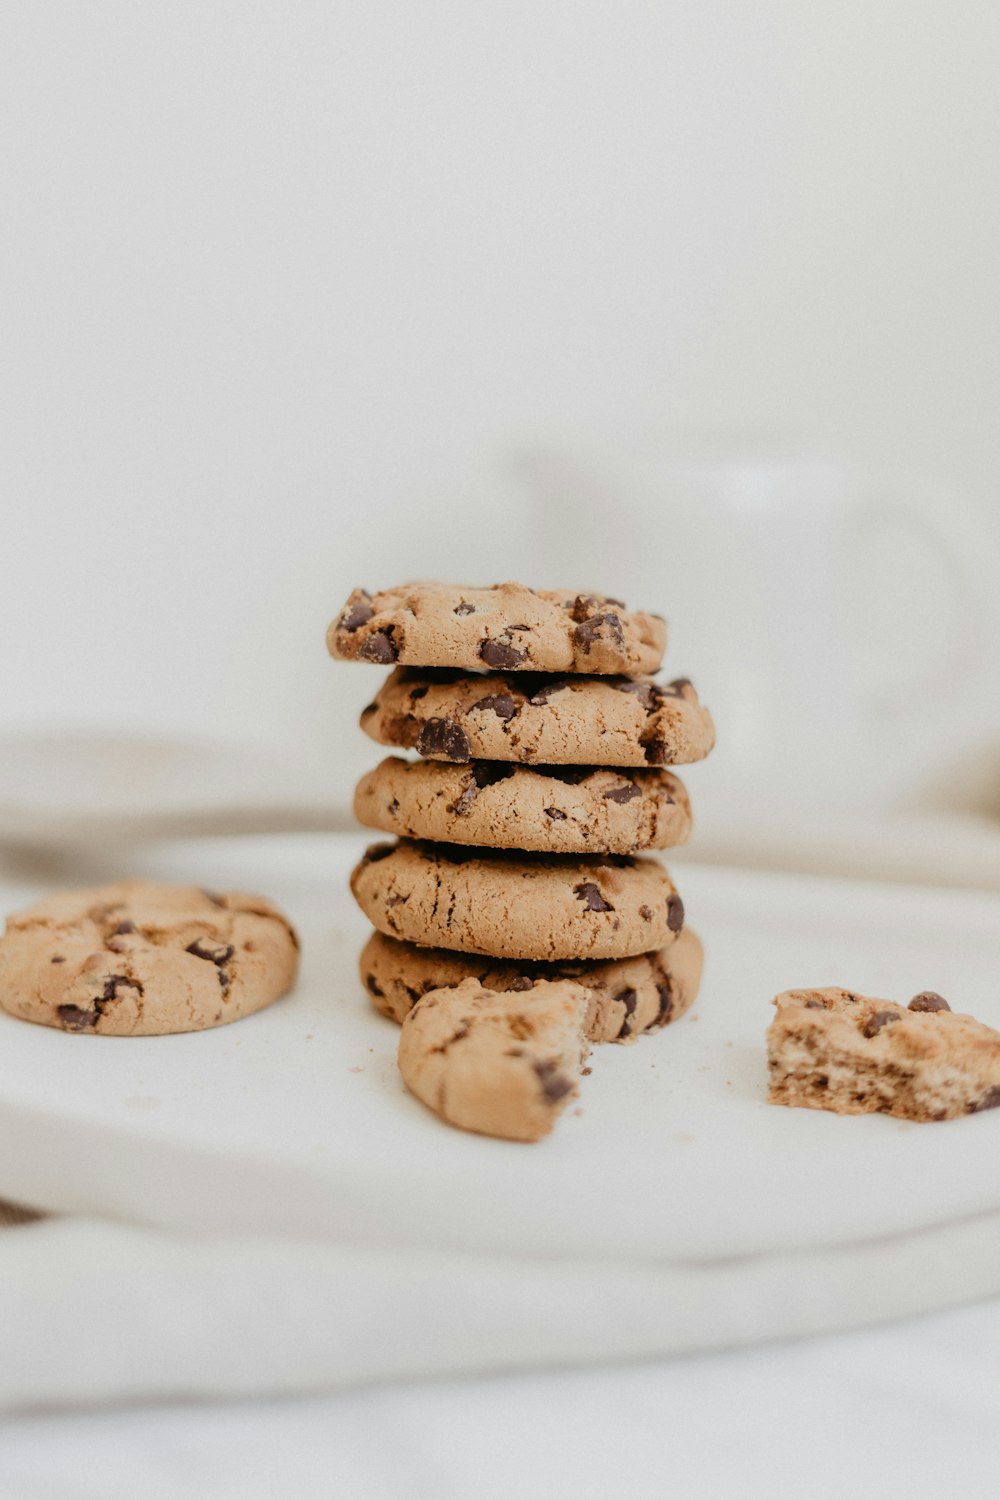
<point>839,622</point>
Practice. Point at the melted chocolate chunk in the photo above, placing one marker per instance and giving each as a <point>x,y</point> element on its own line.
<point>464,608</point>
<point>990,1100</point>
<point>462,803</point>
<point>75,1019</point>
<point>443,739</point>
<point>542,695</point>
<point>665,992</point>
<point>501,654</point>
<point>57,958</point>
<point>675,913</point>
<point>591,630</point>
<point>655,751</point>
<point>522,982</point>
<point>373,986</point>
<point>380,647</point>
<point>646,913</point>
<point>676,688</point>
<point>553,812</point>
<point>629,999</point>
<point>590,895</point>
<point>359,614</point>
<point>623,793</point>
<point>213,953</point>
<point>928,1000</point>
<point>815,1005</point>
<point>555,1085</point>
<point>502,704</point>
<point>583,606</point>
<point>122,928</point>
<point>875,1022</point>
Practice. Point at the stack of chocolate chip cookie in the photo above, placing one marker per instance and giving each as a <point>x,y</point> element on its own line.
<point>517,890</point>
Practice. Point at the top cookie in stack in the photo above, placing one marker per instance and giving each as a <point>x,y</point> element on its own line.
<point>544,744</point>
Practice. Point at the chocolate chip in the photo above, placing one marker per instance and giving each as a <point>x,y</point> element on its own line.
<point>928,1000</point>
<point>359,614</point>
<point>380,647</point>
<point>629,999</point>
<point>655,751</point>
<point>877,1020</point>
<point>675,913</point>
<point>122,928</point>
<point>419,692</point>
<point>815,1005</point>
<point>75,1019</point>
<point>522,982</point>
<point>464,608</point>
<point>462,803</point>
<point>590,895</point>
<point>57,958</point>
<point>553,812</point>
<point>443,739</point>
<point>590,630</point>
<point>646,913</point>
<point>373,986</point>
<point>555,1085</point>
<point>112,985</point>
<point>501,654</point>
<point>213,953</point>
<point>585,605</point>
<point>676,688</point>
<point>540,698</point>
<point>502,704</point>
<point>644,691</point>
<point>990,1100</point>
<point>665,992</point>
<point>623,793</point>
<point>392,808</point>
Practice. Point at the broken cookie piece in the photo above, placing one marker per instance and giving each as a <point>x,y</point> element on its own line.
<point>837,1050</point>
<point>498,1063</point>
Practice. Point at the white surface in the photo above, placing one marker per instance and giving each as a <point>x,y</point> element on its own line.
<point>908,1409</point>
<point>674,1152</point>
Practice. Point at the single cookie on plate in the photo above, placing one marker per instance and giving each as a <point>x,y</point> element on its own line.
<point>141,959</point>
<point>507,626</point>
<point>631,995</point>
<point>837,1050</point>
<point>503,1064</point>
<point>530,906</point>
<point>563,810</point>
<point>605,721</point>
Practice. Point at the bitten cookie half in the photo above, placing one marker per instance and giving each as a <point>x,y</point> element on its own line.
<point>498,1064</point>
<point>571,810</point>
<point>532,906</point>
<point>507,626</point>
<point>631,995</point>
<point>836,1050</point>
<point>140,959</point>
<point>605,721</point>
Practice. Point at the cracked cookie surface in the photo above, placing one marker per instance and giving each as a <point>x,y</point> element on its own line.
<point>501,1064</point>
<point>509,906</point>
<point>509,716</point>
<point>631,995</point>
<point>508,627</point>
<point>143,959</point>
<point>837,1050</point>
<point>572,810</point>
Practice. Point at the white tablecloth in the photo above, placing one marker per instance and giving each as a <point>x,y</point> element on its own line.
<point>909,1409</point>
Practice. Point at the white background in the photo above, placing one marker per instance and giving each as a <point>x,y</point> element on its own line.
<point>286,288</point>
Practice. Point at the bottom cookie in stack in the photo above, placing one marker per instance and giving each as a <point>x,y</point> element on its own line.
<point>631,995</point>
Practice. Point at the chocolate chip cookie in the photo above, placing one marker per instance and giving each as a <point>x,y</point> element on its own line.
<point>631,995</point>
<point>833,1049</point>
<point>139,959</point>
<point>507,627</point>
<point>503,1064</point>
<point>529,906</point>
<point>564,810</point>
<point>606,721</point>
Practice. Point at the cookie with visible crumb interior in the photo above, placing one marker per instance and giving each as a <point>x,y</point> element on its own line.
<point>631,995</point>
<point>518,906</point>
<point>498,1063</point>
<point>837,1050</point>
<point>539,720</point>
<point>142,959</point>
<point>498,805</point>
<point>507,626</point>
